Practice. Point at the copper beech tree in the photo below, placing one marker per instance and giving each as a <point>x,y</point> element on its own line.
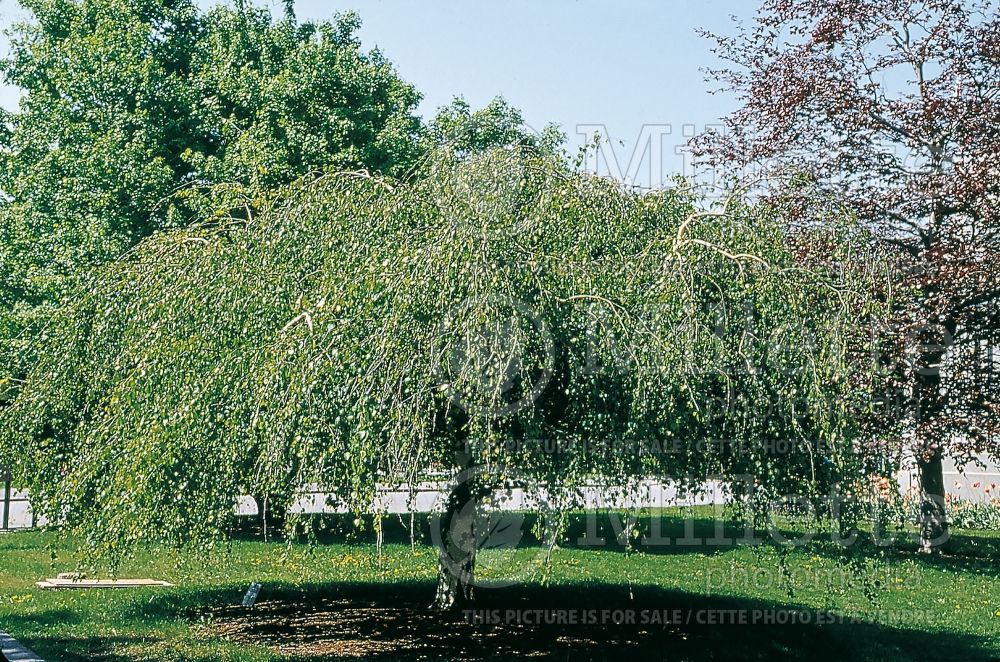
<point>891,110</point>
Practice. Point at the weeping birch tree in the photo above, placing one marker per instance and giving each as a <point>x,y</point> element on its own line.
<point>360,332</point>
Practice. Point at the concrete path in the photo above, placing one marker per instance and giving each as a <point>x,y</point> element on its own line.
<point>12,651</point>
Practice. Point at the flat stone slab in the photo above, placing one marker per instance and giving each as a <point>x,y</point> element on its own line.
<point>60,583</point>
<point>12,651</point>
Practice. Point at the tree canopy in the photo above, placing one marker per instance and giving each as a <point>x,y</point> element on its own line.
<point>132,111</point>
<point>498,124</point>
<point>363,331</point>
<point>889,110</point>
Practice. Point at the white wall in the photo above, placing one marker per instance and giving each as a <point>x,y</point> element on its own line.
<point>959,484</point>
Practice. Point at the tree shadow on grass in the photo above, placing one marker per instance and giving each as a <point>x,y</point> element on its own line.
<point>586,621</point>
<point>84,649</point>
<point>35,621</point>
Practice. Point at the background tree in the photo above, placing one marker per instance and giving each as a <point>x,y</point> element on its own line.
<point>126,103</point>
<point>890,109</point>
<point>498,124</point>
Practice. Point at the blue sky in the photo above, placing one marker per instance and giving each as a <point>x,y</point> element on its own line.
<point>601,63</point>
<point>618,64</point>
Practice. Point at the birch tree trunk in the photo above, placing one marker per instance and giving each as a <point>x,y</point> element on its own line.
<point>457,548</point>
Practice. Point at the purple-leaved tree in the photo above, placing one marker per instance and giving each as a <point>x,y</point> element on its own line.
<point>890,110</point>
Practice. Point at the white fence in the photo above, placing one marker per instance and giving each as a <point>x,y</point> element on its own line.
<point>971,485</point>
<point>430,497</point>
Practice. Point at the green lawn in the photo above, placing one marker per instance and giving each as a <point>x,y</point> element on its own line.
<point>341,601</point>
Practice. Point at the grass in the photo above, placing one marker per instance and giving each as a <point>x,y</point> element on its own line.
<point>338,600</point>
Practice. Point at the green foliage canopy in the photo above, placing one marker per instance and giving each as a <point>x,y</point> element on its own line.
<point>127,102</point>
<point>498,124</point>
<point>362,331</point>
